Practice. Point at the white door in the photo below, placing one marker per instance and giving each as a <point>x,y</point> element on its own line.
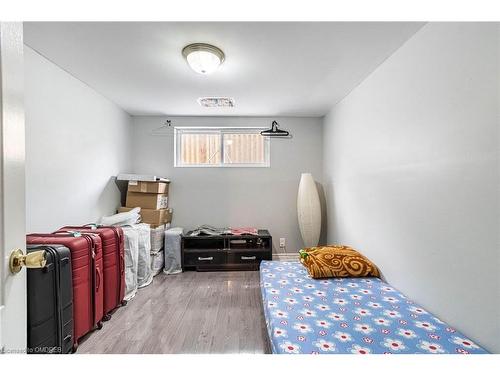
<point>12,202</point>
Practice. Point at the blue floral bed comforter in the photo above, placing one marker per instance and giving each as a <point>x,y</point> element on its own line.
<point>348,315</point>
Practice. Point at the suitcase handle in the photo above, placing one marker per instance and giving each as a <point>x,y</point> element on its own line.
<point>55,234</point>
<point>98,281</point>
<point>122,261</point>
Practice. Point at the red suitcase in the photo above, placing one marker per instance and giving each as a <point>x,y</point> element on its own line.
<point>87,265</point>
<point>114,263</point>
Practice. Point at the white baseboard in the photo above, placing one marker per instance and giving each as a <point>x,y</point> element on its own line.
<point>285,256</point>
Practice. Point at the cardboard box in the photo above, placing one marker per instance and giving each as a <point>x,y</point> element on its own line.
<point>148,187</point>
<point>147,200</point>
<point>153,217</point>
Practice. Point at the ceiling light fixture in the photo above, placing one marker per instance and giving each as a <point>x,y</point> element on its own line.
<point>203,58</point>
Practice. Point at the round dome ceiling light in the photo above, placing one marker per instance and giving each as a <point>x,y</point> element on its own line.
<point>203,58</point>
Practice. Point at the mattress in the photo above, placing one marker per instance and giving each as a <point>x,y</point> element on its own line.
<point>349,315</point>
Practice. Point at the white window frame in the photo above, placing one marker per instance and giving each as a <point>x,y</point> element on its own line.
<point>178,130</point>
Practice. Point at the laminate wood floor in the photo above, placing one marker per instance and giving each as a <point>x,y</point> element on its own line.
<point>192,312</point>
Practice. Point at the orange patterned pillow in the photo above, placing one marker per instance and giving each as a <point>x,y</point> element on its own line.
<point>336,261</point>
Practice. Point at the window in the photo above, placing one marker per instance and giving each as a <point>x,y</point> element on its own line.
<point>221,147</point>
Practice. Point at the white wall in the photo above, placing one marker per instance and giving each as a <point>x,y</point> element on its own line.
<point>260,197</point>
<point>76,140</point>
<point>412,173</point>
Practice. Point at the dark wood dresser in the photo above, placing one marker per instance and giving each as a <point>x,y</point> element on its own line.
<point>225,252</point>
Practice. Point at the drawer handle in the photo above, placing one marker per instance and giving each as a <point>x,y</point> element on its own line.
<point>207,258</point>
<point>248,258</point>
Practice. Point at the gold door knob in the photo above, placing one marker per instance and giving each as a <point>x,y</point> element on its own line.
<point>36,259</point>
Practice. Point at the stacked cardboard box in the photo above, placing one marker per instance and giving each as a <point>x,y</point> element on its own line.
<point>152,197</point>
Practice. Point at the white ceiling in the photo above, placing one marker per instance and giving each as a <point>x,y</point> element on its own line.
<point>271,69</point>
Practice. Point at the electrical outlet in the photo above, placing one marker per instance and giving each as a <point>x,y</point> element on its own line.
<point>282,242</point>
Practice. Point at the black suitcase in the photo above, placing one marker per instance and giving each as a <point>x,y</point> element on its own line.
<point>50,302</point>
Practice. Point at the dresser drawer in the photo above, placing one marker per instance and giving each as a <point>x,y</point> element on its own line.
<point>204,258</point>
<point>246,257</point>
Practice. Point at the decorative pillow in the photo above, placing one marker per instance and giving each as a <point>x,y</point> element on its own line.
<point>336,261</point>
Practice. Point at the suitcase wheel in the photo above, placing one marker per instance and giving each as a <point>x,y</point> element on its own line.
<point>99,325</point>
<point>106,317</point>
<point>124,303</point>
<point>74,348</point>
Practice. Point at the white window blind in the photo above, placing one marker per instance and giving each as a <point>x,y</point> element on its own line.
<point>221,147</point>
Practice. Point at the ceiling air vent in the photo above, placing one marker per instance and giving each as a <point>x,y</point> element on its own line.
<point>214,102</point>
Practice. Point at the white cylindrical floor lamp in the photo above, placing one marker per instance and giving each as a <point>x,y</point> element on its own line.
<point>309,210</point>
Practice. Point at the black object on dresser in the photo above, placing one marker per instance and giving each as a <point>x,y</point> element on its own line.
<point>225,252</point>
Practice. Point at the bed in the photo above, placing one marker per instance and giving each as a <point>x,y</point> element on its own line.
<point>348,315</point>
